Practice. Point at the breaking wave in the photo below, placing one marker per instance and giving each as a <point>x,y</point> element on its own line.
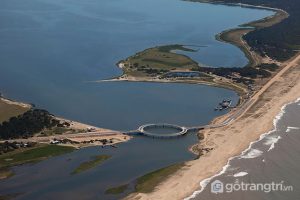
<point>247,153</point>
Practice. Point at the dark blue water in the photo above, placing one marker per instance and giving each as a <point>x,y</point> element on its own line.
<point>51,50</point>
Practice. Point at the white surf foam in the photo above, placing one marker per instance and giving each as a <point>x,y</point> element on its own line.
<point>205,182</point>
<point>252,153</point>
<point>240,174</point>
<point>271,141</point>
<point>289,128</point>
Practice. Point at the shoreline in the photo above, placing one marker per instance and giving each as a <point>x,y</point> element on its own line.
<point>180,82</point>
<point>206,181</point>
<point>10,108</point>
<point>80,134</point>
<point>239,90</point>
<point>77,135</point>
<point>12,102</point>
<point>233,36</point>
<point>184,182</point>
<point>233,139</point>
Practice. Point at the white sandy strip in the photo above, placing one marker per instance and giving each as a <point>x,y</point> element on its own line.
<point>15,103</point>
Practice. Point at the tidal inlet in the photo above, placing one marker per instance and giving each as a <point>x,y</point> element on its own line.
<point>149,100</point>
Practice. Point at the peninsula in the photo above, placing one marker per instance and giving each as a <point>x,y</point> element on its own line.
<point>269,81</point>
<point>266,84</point>
<point>44,135</point>
<point>169,64</point>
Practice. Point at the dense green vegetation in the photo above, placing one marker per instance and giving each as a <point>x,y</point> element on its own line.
<point>117,190</point>
<point>280,40</point>
<point>247,74</point>
<point>97,160</point>
<point>270,67</point>
<point>27,124</point>
<point>6,146</point>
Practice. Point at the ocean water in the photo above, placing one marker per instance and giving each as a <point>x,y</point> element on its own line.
<point>274,158</point>
<point>51,51</point>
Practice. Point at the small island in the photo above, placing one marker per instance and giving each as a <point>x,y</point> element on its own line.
<point>95,161</point>
<point>30,135</point>
<point>29,153</point>
<point>147,182</point>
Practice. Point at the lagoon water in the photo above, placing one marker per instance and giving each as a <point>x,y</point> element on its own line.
<point>51,51</point>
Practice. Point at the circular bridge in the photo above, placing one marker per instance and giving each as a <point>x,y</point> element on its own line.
<point>174,130</point>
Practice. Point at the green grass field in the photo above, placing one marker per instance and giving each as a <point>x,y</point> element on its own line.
<point>158,60</point>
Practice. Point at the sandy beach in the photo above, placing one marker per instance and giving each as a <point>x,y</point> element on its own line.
<point>11,108</point>
<point>81,134</point>
<point>231,140</point>
<point>82,139</point>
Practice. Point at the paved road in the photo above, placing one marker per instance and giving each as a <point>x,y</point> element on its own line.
<point>249,103</point>
<point>69,136</point>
